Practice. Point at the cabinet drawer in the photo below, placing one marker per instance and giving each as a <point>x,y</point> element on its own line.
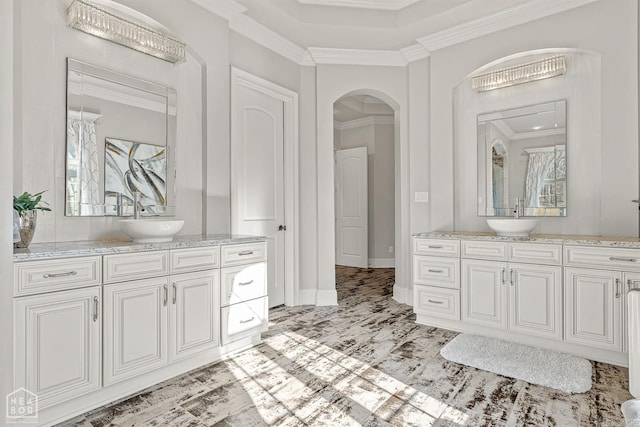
<point>599,257</point>
<point>535,253</point>
<point>438,271</point>
<point>196,259</point>
<point>244,319</point>
<point>436,302</point>
<point>243,283</point>
<point>244,253</point>
<point>484,250</point>
<point>142,265</point>
<point>33,277</point>
<point>436,247</point>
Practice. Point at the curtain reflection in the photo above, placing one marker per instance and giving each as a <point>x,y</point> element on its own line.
<point>546,176</point>
<point>83,167</point>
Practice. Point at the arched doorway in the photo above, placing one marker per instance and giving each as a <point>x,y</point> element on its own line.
<point>364,144</point>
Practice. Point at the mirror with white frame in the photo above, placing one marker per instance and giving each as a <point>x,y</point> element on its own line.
<point>121,134</point>
<point>522,156</point>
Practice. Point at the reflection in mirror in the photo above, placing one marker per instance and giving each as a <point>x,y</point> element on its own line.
<point>120,134</point>
<point>522,156</point>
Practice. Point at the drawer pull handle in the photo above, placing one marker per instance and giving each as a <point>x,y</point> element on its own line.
<point>615,258</point>
<point>434,271</point>
<point>435,246</point>
<point>245,283</point>
<point>175,293</point>
<point>245,253</point>
<point>248,320</point>
<point>65,274</point>
<point>95,308</point>
<point>430,301</point>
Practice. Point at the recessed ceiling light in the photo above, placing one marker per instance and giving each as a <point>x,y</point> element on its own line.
<point>536,127</point>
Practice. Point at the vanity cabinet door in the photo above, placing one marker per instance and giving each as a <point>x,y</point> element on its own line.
<point>57,344</point>
<point>535,299</point>
<point>194,313</point>
<point>631,281</point>
<point>135,328</point>
<point>484,293</point>
<point>593,308</point>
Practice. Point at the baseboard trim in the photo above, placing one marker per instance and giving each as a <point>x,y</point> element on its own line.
<point>327,297</point>
<point>401,295</point>
<point>382,262</point>
<point>307,297</point>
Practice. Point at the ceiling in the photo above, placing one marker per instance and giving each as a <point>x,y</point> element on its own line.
<point>367,24</point>
<point>358,107</point>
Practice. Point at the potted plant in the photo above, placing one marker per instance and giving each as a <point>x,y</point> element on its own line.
<point>26,206</point>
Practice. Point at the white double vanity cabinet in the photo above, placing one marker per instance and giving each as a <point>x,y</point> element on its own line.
<point>558,292</point>
<point>95,321</point>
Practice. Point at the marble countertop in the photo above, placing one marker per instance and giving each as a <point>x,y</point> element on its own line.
<point>104,247</point>
<point>561,239</point>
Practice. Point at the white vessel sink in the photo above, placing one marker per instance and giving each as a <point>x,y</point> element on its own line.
<point>513,227</point>
<point>151,230</point>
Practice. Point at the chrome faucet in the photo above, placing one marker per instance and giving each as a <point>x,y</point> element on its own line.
<point>137,206</point>
<point>118,204</point>
<point>517,209</point>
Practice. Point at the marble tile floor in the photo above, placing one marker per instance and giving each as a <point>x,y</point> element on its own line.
<point>362,363</point>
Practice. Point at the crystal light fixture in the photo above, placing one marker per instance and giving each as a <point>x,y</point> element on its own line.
<point>538,70</point>
<point>88,17</point>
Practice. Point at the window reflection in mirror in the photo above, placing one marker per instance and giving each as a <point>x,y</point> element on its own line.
<point>522,155</point>
<point>120,132</point>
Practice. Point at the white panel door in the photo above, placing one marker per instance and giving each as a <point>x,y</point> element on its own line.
<point>535,299</point>
<point>135,328</point>
<point>352,240</point>
<point>257,177</point>
<point>484,293</point>
<point>593,308</point>
<point>57,344</point>
<point>194,314</point>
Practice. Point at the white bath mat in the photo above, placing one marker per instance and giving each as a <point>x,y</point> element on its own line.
<point>571,374</point>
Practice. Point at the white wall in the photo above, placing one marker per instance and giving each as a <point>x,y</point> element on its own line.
<point>45,41</point>
<point>6,209</point>
<point>308,187</point>
<point>607,28</point>
<point>383,180</point>
<point>379,140</point>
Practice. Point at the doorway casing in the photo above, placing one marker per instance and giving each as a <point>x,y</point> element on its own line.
<point>327,294</point>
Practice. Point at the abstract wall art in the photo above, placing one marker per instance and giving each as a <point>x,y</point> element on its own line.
<point>135,166</point>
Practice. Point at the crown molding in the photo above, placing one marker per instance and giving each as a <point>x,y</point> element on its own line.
<point>227,9</point>
<point>307,59</point>
<point>521,14</point>
<point>322,55</point>
<point>362,4</point>
<point>248,27</point>
<point>365,121</point>
<point>414,52</point>
<point>260,34</point>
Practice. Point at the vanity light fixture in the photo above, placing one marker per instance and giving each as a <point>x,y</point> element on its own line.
<point>538,70</point>
<point>92,19</point>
